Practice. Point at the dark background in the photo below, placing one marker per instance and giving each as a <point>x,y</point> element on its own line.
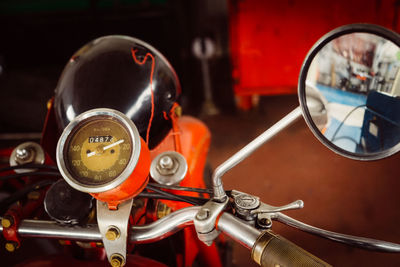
<point>38,37</point>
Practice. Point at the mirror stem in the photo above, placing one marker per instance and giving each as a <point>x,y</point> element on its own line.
<point>219,193</point>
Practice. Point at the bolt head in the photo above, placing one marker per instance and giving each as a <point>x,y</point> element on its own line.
<point>265,222</point>
<point>5,222</point>
<point>116,260</point>
<point>22,153</point>
<point>166,162</point>
<point>112,234</point>
<point>167,165</point>
<point>11,247</point>
<point>25,155</point>
<point>203,214</point>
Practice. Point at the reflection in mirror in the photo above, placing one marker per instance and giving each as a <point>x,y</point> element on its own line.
<point>353,93</point>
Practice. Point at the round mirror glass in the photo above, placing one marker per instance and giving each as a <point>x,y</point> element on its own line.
<point>350,92</point>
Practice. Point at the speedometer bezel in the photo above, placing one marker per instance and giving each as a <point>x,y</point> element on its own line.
<point>71,129</point>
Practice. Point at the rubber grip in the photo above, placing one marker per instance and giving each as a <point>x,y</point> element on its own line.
<point>273,251</point>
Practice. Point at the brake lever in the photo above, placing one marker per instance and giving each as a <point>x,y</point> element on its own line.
<point>265,208</point>
<point>249,207</point>
<point>361,242</point>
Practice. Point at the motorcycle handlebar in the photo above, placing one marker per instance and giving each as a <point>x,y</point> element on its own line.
<point>267,248</point>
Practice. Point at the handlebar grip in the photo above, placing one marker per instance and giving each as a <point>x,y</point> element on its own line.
<point>273,250</point>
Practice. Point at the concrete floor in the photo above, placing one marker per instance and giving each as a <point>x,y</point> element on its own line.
<point>342,195</point>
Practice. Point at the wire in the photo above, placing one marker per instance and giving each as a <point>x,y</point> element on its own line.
<point>366,108</point>
<point>182,188</point>
<point>159,196</point>
<point>176,197</point>
<point>21,193</point>
<point>29,166</point>
<point>19,175</point>
<point>345,118</point>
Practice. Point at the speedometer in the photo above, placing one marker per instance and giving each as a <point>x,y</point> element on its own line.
<point>100,151</point>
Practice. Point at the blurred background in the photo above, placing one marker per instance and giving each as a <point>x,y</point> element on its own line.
<point>252,51</point>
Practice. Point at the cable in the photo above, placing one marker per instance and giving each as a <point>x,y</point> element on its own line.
<point>29,166</point>
<point>366,108</point>
<point>176,197</point>
<point>182,188</point>
<point>342,122</point>
<point>21,193</point>
<point>159,196</point>
<point>18,175</point>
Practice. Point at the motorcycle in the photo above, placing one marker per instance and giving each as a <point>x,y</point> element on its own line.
<point>133,190</point>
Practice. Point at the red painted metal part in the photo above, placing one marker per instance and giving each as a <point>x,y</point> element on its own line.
<point>133,185</point>
<point>270,39</point>
<point>194,138</point>
<point>11,233</point>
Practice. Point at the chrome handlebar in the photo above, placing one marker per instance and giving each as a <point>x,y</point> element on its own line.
<point>232,226</point>
<point>248,236</point>
<point>149,233</point>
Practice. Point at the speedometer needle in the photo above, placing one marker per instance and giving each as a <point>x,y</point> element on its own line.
<point>113,144</point>
<point>106,147</point>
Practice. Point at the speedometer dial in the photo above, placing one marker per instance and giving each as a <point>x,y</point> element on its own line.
<point>99,150</point>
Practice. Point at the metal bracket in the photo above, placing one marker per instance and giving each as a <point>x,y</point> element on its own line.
<point>205,220</point>
<point>249,208</point>
<point>113,226</point>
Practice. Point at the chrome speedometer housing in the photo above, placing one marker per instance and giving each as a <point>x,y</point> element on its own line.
<point>64,161</point>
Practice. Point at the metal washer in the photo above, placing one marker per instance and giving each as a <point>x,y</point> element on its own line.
<point>171,179</point>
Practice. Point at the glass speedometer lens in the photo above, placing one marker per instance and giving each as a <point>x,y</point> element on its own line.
<point>98,151</point>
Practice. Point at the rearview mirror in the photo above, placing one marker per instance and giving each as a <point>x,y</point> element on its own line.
<point>349,91</point>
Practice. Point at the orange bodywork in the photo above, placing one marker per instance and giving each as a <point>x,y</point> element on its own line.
<point>191,138</point>
<point>194,138</point>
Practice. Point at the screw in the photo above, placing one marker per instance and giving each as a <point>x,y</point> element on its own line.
<point>7,221</point>
<point>11,246</point>
<point>166,162</point>
<point>265,222</point>
<point>117,260</point>
<point>203,214</point>
<point>112,233</point>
